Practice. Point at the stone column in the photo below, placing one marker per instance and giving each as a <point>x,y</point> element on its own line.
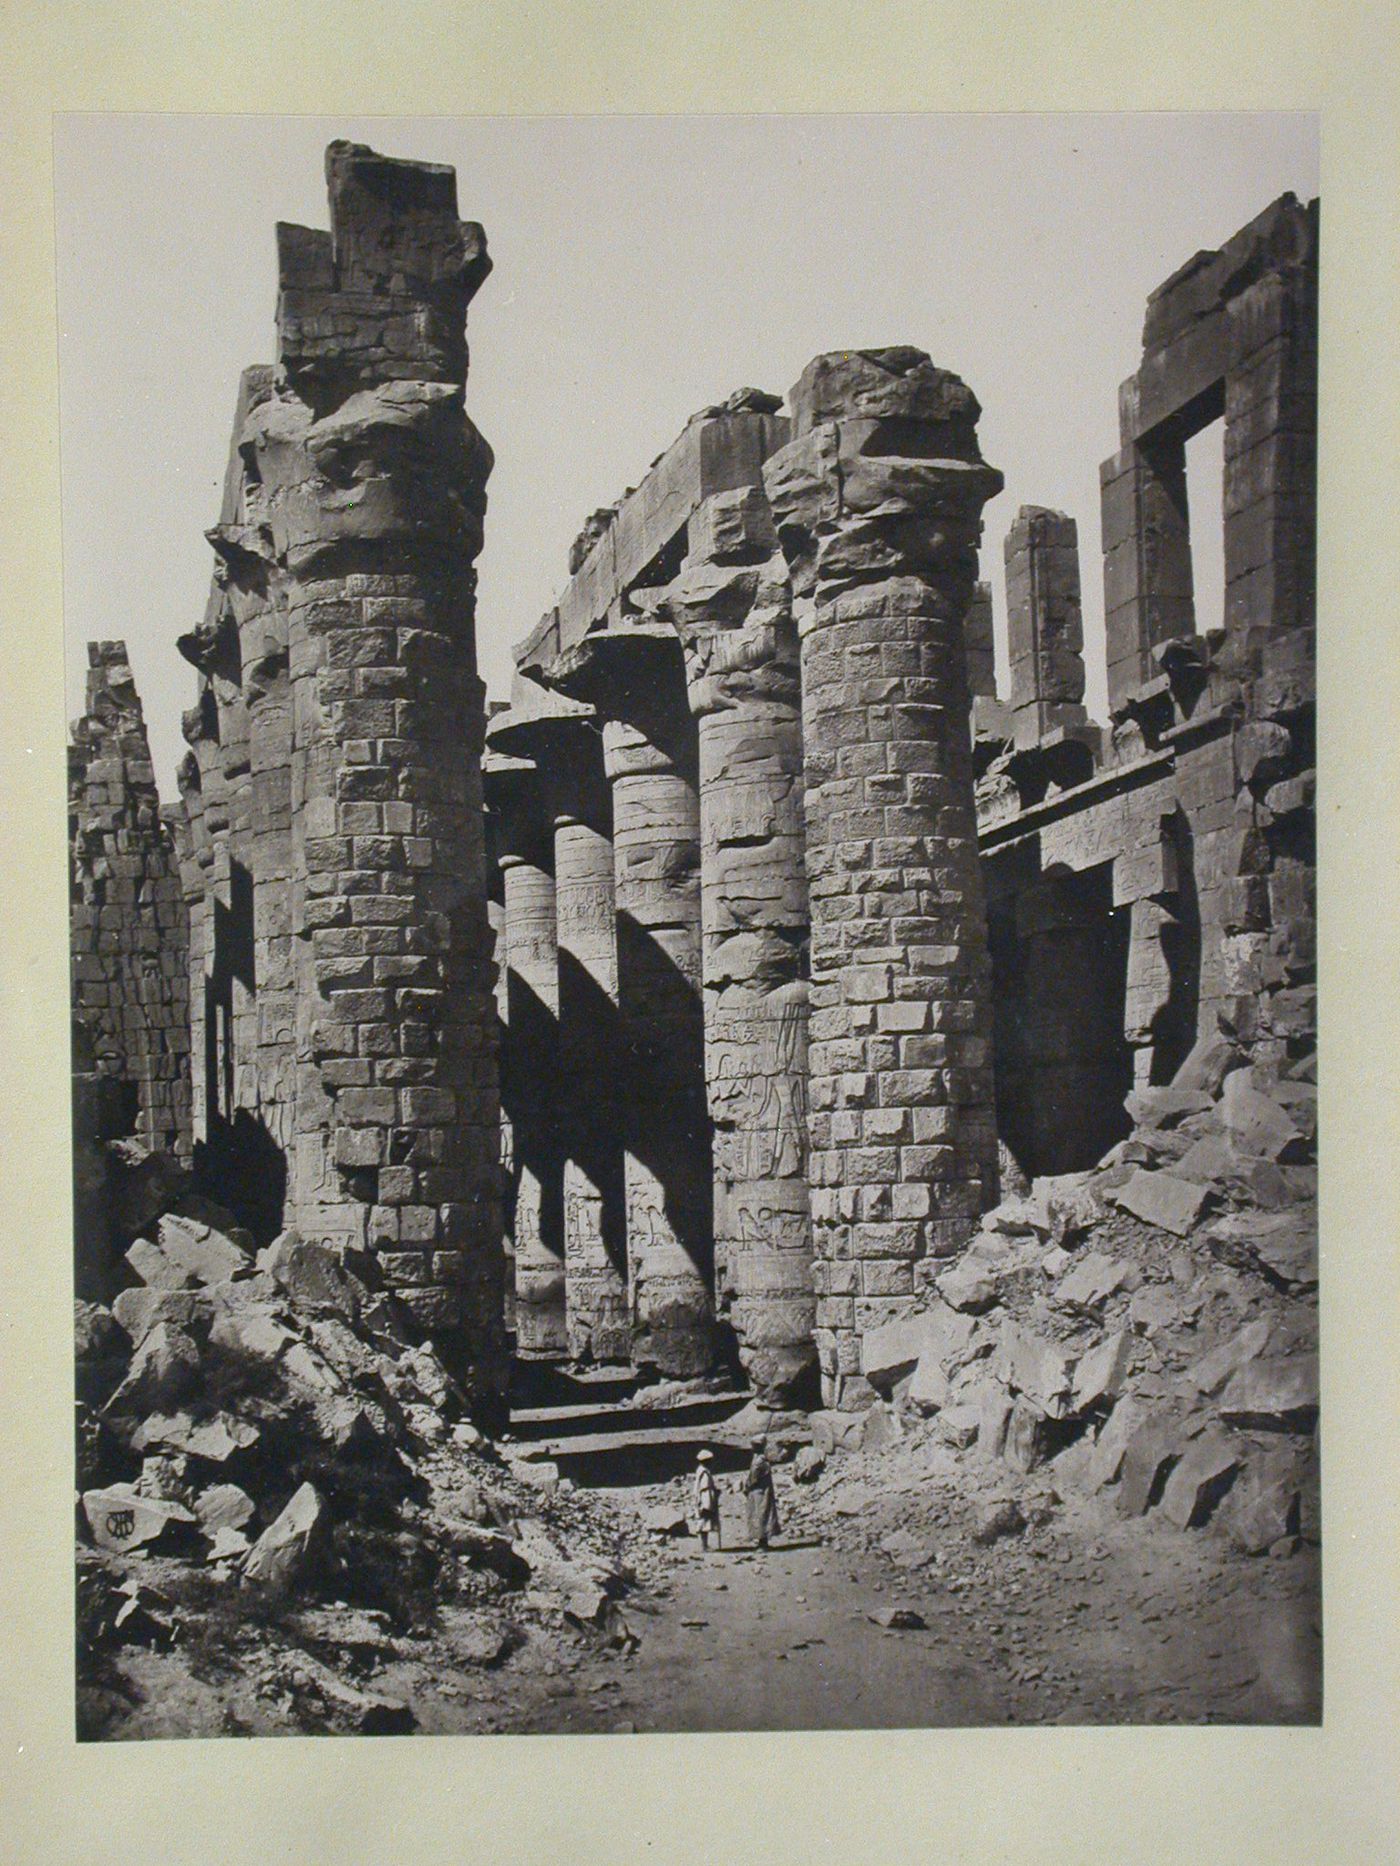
<point>595,1223</point>
<point>878,502</point>
<point>564,742</point>
<point>635,679</point>
<point>1045,624</point>
<point>530,1063</point>
<point>374,487</point>
<point>732,608</point>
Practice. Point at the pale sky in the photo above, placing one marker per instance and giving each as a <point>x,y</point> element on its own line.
<point>644,267</point>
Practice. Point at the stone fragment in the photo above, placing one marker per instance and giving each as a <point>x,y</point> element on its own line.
<point>890,1352</point>
<point>1164,1107</point>
<point>311,1276</point>
<point>959,1425</point>
<point>907,1550</point>
<point>899,1619</point>
<point>665,1519</point>
<point>1162,1199</point>
<point>204,1242</point>
<point>1207,1064</point>
<point>1215,1368</point>
<point>1282,1243</point>
<point>1153,1309</point>
<point>1264,1507</point>
<point>291,1546</point>
<point>223,1506</point>
<point>1199,1480</point>
<point>165,1476</point>
<point>968,1289</point>
<point>1041,1370</point>
<point>1112,1442</point>
<point>367,1713</point>
<point>214,1438</point>
<point>996,1520</point>
<point>928,1389</point>
<point>155,1269</point>
<point>1208,1161</point>
<point>1064,1206</point>
<point>1278,1393</point>
<point>1092,1280</point>
<point>808,1465</point>
<point>1099,1374</point>
<point>139,1310</point>
<point>1027,1442</point>
<point>250,1332</point>
<point>880,1427</point>
<point>164,1368</point>
<point>120,1518</point>
<point>227,1545</point>
<point>1257,1123</point>
<point>1147,1459</point>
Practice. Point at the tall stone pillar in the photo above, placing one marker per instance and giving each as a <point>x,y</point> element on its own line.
<point>635,679</point>
<point>530,1082</point>
<point>732,608</point>
<point>878,502</point>
<point>595,1221</point>
<point>1045,624</point>
<point>374,499</point>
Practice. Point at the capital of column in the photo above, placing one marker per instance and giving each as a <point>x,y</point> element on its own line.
<point>883,478</point>
<point>634,679</point>
<point>731,608</point>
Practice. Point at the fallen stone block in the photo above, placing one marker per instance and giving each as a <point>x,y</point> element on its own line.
<point>907,1550</point>
<point>368,1713</point>
<point>968,1289</point>
<point>880,1428</point>
<point>1106,1461</point>
<point>959,1425</point>
<point>1257,1123</point>
<point>144,1184</point>
<point>290,1548</point>
<point>993,1417</point>
<point>164,1368</point>
<point>1027,1442</point>
<point>665,1519</point>
<point>1065,1206</point>
<point>102,1351</point>
<point>539,1473</point>
<point>1092,1280</point>
<point>1208,1161</point>
<point>312,1276</point>
<point>1265,1506</point>
<point>1162,1199</point>
<point>252,1332</point>
<point>1041,1370</point>
<point>1208,1063</point>
<point>139,1310</point>
<point>899,1619</point>
<point>165,1476</point>
<point>1164,1107</point>
<point>928,1388</point>
<point>1154,1308</point>
<point>835,1431</point>
<point>1099,1374</point>
<point>1278,1394</point>
<point>227,1545</point>
<point>996,1520</point>
<point>121,1518</point>
<point>1198,1481</point>
<point>808,1465</point>
<point>155,1269</point>
<point>204,1242</point>
<point>223,1506</point>
<point>1215,1368</point>
<point>894,1350</point>
<point>1147,1460</point>
<point>215,1438</point>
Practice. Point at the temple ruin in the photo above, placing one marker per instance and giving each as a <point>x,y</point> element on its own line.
<point>684,1009</point>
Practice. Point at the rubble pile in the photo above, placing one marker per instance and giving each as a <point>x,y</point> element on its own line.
<point>1143,1334</point>
<point>278,1477</point>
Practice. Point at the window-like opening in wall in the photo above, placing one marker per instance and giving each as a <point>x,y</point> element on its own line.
<point>1205,504</point>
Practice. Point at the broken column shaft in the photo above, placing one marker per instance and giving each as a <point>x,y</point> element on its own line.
<point>731,607</point>
<point>1045,627</point>
<point>635,680</point>
<point>878,502</point>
